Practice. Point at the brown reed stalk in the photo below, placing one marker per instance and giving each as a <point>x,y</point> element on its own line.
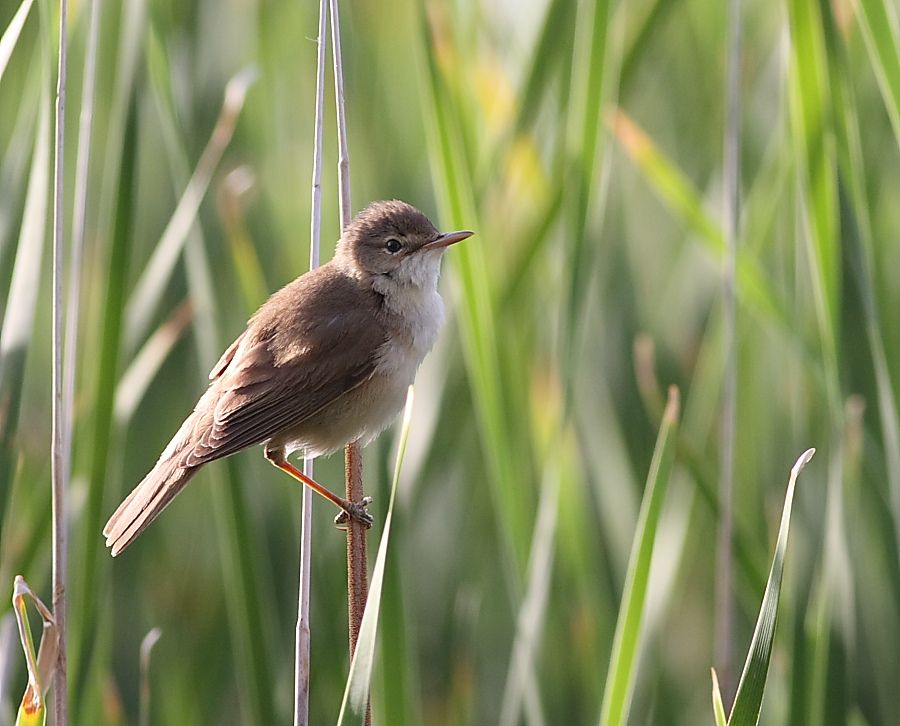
<point>357,572</point>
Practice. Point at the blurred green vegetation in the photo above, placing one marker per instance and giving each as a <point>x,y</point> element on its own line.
<point>583,142</point>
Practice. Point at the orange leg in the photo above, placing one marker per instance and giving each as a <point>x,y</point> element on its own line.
<point>352,509</point>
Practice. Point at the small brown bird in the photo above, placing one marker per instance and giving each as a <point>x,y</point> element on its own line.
<point>326,360</point>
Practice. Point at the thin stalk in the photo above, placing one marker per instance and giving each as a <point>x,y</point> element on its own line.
<point>357,577</point>
<point>724,635</point>
<point>357,574</point>
<point>144,300</point>
<point>59,474</point>
<point>302,638</point>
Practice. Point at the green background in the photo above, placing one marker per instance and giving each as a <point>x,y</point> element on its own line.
<point>582,141</point>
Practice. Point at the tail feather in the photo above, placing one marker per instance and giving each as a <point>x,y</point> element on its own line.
<point>145,503</point>
<point>147,500</point>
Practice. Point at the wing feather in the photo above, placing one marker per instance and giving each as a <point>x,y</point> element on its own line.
<point>275,376</point>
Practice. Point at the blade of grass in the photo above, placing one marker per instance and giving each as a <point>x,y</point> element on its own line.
<point>233,195</point>
<point>246,589</point>
<point>587,558</point>
<point>18,319</point>
<point>199,281</point>
<point>610,473</point>
<point>79,215</point>
<point>145,366</point>
<point>247,612</point>
<point>129,43</point>
<point>887,402</point>
<point>808,91</point>
<point>700,407</point>
<point>13,171</point>
<point>748,700</point>
<point>718,706</point>
<point>11,35</point>
<point>836,641</point>
<point>113,235</point>
<point>456,204</point>
<point>590,83</point>
<point>856,229</point>
<point>558,23</point>
<point>876,587</point>
<point>530,256</point>
<point>104,434</point>
<point>399,686</point>
<point>620,676</point>
<point>697,426</point>
<point>144,301</point>
<point>651,18</point>
<point>676,191</point>
<point>356,693</point>
<point>878,20</point>
<point>810,103</point>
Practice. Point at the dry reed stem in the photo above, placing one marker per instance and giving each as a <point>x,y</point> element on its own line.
<point>59,475</point>
<point>357,573</point>
<point>302,667</point>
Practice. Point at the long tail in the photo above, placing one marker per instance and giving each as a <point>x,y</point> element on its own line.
<point>151,496</point>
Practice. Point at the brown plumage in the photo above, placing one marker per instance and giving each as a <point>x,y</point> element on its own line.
<point>325,361</point>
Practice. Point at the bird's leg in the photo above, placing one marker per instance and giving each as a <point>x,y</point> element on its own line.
<point>354,510</point>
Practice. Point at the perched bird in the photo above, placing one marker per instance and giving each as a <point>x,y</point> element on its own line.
<point>325,361</point>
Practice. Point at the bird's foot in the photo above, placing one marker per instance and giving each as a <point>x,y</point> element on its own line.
<point>357,511</point>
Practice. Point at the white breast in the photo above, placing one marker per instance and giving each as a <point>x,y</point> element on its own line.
<point>365,412</point>
<point>418,314</point>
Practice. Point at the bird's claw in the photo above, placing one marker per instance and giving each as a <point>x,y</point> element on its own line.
<point>357,511</point>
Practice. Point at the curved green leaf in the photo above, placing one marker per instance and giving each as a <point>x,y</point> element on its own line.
<point>620,676</point>
<point>11,34</point>
<point>748,701</point>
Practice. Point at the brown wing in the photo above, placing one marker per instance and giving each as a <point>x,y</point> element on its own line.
<point>288,365</point>
<point>219,368</point>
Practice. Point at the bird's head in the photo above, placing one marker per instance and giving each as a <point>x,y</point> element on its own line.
<point>395,240</point>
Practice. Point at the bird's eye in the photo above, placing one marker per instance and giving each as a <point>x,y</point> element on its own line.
<point>393,245</point>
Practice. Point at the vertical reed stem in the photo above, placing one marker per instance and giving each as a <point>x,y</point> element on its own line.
<point>301,654</point>
<point>302,666</point>
<point>57,454</point>
<point>357,574</point>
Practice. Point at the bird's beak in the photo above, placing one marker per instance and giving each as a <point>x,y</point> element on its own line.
<point>450,238</point>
